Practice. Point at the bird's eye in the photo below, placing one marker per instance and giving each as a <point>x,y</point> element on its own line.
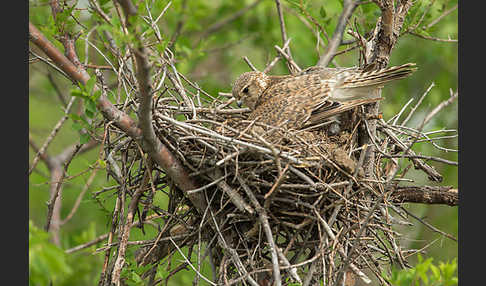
<point>245,90</point>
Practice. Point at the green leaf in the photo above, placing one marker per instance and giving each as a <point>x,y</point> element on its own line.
<point>102,163</point>
<point>97,94</point>
<point>77,126</point>
<point>322,11</point>
<point>84,138</point>
<point>90,107</point>
<point>78,93</point>
<point>90,84</point>
<point>47,262</point>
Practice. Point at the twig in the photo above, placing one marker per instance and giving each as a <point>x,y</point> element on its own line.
<point>405,121</point>
<point>438,108</point>
<point>247,61</point>
<point>325,59</point>
<point>227,139</point>
<point>52,200</point>
<point>288,58</point>
<point>79,198</point>
<point>263,217</point>
<point>434,38</point>
<point>276,59</point>
<point>430,226</point>
<point>445,13</point>
<point>52,135</point>
<point>284,36</point>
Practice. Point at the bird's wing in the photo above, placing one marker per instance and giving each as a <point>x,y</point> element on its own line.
<point>330,108</point>
<point>289,101</point>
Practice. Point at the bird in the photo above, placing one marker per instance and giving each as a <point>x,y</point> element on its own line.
<point>314,96</point>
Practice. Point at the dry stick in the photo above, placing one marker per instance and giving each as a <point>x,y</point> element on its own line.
<point>234,254</point>
<point>405,121</point>
<point>275,186</point>
<point>234,196</point>
<point>285,262</point>
<point>247,61</point>
<point>51,136</point>
<point>288,58</point>
<point>49,63</point>
<point>227,139</point>
<point>350,184</point>
<point>284,36</point>
<point>445,13</point>
<point>104,236</point>
<point>438,108</point>
<point>80,197</point>
<point>430,226</point>
<point>276,59</point>
<point>177,83</point>
<point>132,208</point>
<point>434,38</point>
<point>331,235</point>
<point>110,236</point>
<point>52,200</point>
<point>263,217</point>
<point>190,264</point>
<point>349,6</point>
<point>397,116</point>
<point>428,158</point>
<point>381,198</point>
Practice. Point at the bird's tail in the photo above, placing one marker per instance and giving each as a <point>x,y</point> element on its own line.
<point>360,85</point>
<point>377,77</point>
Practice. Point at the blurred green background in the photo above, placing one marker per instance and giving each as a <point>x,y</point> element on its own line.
<point>214,61</point>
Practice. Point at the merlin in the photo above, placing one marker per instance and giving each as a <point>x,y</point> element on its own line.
<point>314,96</point>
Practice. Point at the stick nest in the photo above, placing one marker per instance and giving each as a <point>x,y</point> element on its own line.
<point>300,197</point>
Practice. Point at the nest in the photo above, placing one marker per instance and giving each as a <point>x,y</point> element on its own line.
<point>299,203</point>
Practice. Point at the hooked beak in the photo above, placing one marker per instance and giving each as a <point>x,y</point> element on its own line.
<point>239,103</point>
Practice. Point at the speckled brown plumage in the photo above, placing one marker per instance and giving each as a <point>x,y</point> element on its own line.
<point>313,96</point>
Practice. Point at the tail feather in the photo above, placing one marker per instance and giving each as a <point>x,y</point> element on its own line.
<point>362,85</point>
<point>377,77</point>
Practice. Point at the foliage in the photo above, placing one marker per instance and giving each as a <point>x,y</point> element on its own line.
<point>425,273</point>
<point>47,262</point>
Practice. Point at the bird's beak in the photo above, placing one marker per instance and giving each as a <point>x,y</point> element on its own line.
<point>239,103</point>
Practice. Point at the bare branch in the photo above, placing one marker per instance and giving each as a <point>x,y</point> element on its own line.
<point>325,59</point>
<point>426,195</point>
<point>52,135</point>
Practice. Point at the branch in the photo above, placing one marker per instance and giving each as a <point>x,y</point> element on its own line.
<point>283,31</point>
<point>335,42</point>
<point>51,136</point>
<point>162,156</point>
<point>426,195</point>
<point>54,195</point>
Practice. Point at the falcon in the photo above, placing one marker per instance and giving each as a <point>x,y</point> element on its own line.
<point>314,96</point>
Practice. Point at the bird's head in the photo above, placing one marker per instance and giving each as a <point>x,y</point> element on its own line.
<point>248,88</point>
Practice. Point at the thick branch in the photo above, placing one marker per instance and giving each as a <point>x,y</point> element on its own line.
<point>426,195</point>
